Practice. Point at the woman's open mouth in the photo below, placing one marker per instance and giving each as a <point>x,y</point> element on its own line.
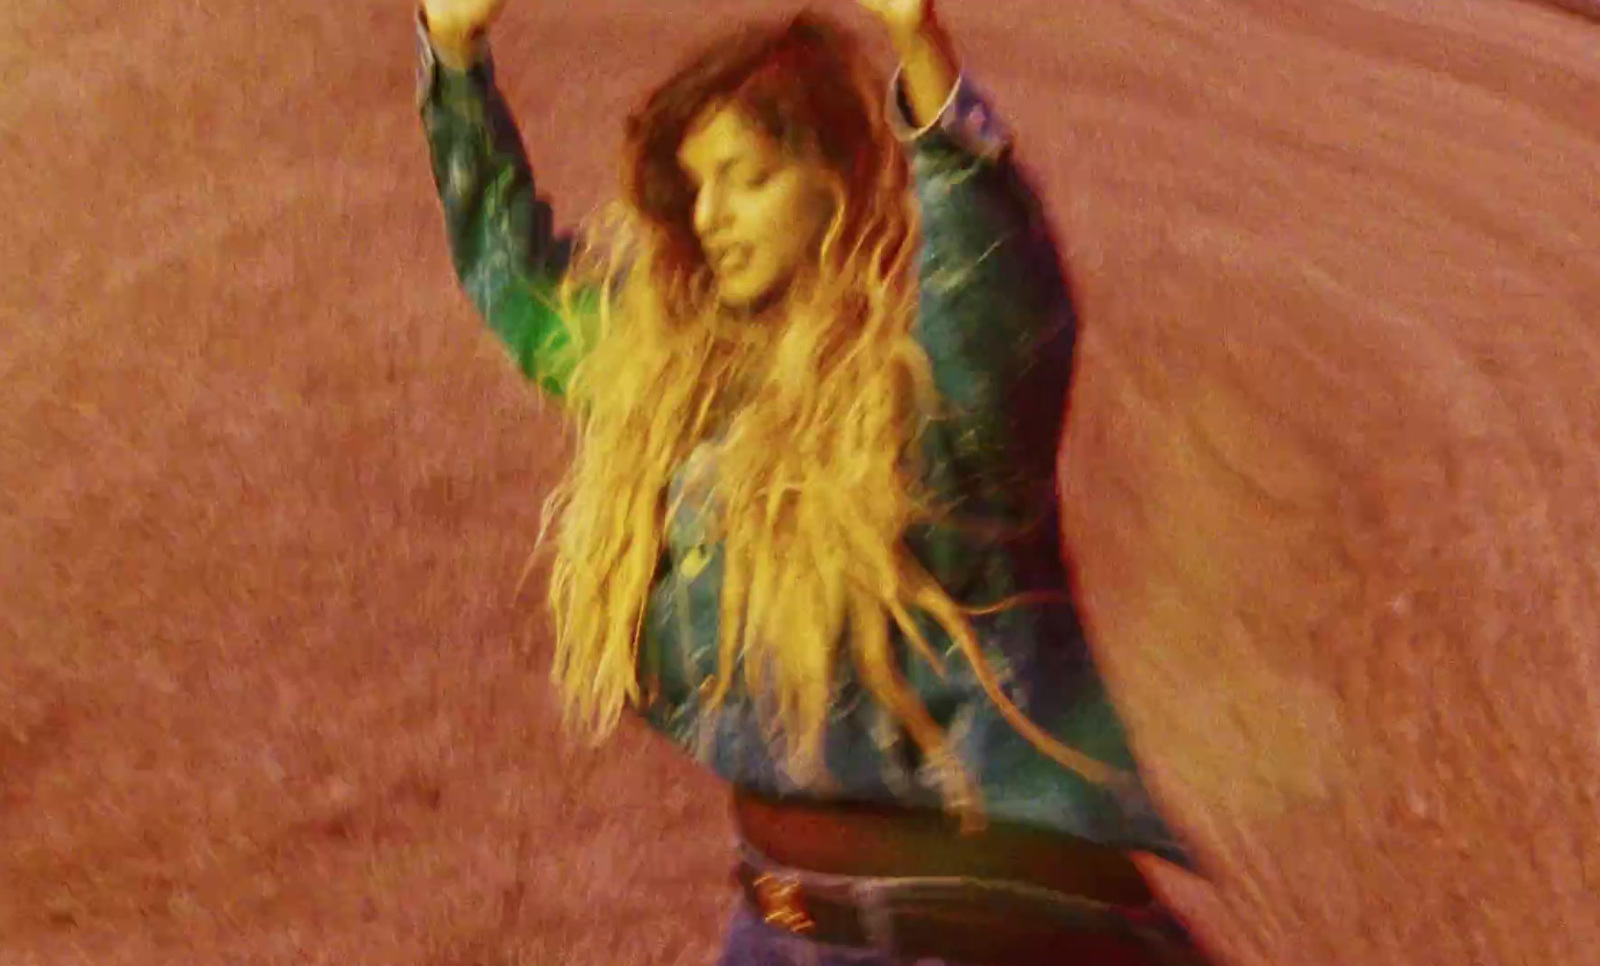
<point>732,259</point>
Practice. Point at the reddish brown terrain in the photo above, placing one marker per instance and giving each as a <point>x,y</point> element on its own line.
<point>269,695</point>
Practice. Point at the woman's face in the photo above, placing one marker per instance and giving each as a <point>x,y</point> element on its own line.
<point>760,215</point>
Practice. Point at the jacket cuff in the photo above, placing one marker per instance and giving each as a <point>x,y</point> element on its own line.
<point>966,119</point>
<point>429,66</point>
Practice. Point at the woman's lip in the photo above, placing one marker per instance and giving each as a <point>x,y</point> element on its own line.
<point>732,258</point>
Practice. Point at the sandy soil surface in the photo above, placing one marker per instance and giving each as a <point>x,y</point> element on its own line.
<point>268,693</point>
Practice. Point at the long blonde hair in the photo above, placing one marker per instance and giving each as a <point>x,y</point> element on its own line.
<point>817,476</point>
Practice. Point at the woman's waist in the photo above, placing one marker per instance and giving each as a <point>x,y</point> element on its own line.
<point>892,841</point>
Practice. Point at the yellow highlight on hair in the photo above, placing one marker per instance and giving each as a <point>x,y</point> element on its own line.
<point>817,482</point>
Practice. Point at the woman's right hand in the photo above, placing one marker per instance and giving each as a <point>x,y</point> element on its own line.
<point>453,23</point>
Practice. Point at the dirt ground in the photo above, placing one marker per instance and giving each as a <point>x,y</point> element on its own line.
<point>268,693</point>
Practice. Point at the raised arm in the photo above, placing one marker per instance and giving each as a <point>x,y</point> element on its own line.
<point>996,315</point>
<point>502,243</point>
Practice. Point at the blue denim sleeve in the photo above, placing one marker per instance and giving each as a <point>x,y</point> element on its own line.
<point>502,244</point>
<point>996,313</point>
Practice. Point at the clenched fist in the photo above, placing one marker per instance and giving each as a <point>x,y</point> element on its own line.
<point>904,19</point>
<point>453,23</point>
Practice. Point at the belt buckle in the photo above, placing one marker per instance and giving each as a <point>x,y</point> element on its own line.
<point>781,903</point>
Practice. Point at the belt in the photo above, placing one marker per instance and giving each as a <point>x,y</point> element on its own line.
<point>859,839</point>
<point>998,924</point>
<point>906,883</point>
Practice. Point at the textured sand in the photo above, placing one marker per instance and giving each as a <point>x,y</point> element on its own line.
<point>267,694</point>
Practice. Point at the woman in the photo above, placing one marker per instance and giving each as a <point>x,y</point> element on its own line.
<point>817,370</point>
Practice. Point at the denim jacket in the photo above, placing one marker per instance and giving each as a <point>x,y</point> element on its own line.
<point>995,318</point>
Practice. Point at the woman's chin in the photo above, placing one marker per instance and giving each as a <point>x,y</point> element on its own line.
<point>751,300</point>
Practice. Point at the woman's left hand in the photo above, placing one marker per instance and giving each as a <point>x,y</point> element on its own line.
<point>904,19</point>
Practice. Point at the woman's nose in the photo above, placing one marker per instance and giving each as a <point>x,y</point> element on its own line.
<point>710,211</point>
